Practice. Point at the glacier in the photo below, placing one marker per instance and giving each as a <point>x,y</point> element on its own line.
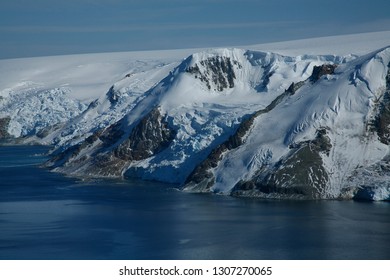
<point>232,121</point>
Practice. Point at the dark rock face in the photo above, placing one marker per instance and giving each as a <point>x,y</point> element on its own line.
<point>268,73</point>
<point>301,173</point>
<point>294,87</point>
<point>93,104</point>
<point>382,121</point>
<point>149,137</point>
<point>114,151</point>
<point>319,71</point>
<point>113,95</point>
<point>219,71</point>
<point>4,122</point>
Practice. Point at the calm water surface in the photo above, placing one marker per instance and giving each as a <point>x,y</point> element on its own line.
<point>44,215</point>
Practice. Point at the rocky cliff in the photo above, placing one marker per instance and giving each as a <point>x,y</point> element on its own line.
<point>4,122</point>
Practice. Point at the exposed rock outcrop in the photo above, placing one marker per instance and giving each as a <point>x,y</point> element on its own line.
<point>114,151</point>
<point>113,95</point>
<point>294,87</point>
<point>216,71</point>
<point>382,120</point>
<point>149,137</point>
<point>4,123</point>
<point>319,71</point>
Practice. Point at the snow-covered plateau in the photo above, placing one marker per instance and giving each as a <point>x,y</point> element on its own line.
<point>306,119</point>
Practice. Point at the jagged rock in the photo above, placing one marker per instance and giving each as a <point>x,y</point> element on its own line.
<point>149,136</point>
<point>93,104</point>
<point>113,95</point>
<point>114,152</point>
<point>268,73</point>
<point>382,120</point>
<point>4,122</point>
<point>319,71</point>
<point>294,87</point>
<point>217,71</point>
<point>111,135</point>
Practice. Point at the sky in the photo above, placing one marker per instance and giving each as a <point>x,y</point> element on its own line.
<point>53,27</point>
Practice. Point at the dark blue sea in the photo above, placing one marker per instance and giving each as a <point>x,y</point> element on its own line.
<point>44,215</point>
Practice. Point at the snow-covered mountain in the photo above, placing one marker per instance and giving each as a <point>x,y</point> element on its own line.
<point>231,120</point>
<point>326,139</point>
